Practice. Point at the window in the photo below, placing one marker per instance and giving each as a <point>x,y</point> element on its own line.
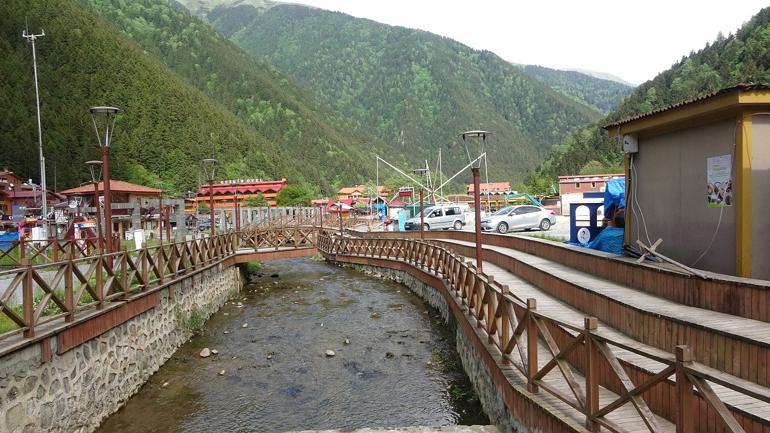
<point>593,184</point>
<point>577,184</point>
<point>452,211</point>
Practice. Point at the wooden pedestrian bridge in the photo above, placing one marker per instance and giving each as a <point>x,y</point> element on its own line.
<point>572,339</point>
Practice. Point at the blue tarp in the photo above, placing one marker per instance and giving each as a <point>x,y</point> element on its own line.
<point>7,240</point>
<point>609,240</point>
<point>614,196</point>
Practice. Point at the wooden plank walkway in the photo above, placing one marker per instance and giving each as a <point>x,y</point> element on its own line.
<point>549,305</point>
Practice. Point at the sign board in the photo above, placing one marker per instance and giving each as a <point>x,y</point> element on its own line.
<point>719,186</point>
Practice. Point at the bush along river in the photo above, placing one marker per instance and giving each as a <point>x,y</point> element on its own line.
<point>307,345</point>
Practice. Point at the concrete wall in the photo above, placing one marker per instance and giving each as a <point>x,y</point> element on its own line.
<point>76,390</point>
<point>760,180</point>
<point>671,191</point>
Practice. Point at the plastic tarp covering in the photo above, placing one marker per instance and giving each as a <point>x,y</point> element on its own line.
<point>7,240</point>
<point>609,240</point>
<point>614,196</point>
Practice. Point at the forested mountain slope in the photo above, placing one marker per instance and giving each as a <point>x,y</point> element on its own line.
<point>414,90</point>
<point>186,93</point>
<point>314,145</point>
<point>602,95</point>
<point>166,125</point>
<point>740,58</point>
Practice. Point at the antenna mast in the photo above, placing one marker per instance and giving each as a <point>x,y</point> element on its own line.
<point>32,38</point>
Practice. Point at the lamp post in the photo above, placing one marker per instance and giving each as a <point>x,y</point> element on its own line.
<point>422,201</point>
<point>95,168</point>
<point>475,165</point>
<point>104,120</point>
<point>237,212</point>
<point>209,172</point>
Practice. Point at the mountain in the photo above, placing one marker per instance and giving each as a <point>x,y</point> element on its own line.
<point>186,92</point>
<point>412,89</point>
<point>600,94</point>
<point>740,58</point>
<point>166,125</point>
<point>603,76</point>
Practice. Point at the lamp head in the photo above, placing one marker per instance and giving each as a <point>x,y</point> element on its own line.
<point>480,138</point>
<point>209,169</point>
<point>104,118</point>
<point>95,168</point>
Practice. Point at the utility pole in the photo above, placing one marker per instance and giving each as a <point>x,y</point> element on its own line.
<point>32,38</point>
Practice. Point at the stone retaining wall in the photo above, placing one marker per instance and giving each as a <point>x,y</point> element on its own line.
<point>76,390</point>
<point>481,378</point>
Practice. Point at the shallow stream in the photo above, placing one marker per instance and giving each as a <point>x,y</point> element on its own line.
<point>394,363</point>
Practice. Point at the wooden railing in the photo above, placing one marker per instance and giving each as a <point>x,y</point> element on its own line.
<point>522,335</point>
<point>45,251</point>
<point>75,283</point>
<point>276,236</point>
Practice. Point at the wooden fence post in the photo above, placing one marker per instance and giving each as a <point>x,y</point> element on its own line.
<point>531,345</point>
<point>685,397</point>
<point>27,297</point>
<point>504,328</point>
<point>69,295</point>
<point>592,374</point>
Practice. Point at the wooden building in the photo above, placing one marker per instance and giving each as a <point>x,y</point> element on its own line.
<point>698,177</point>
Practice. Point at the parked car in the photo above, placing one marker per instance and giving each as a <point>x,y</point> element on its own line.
<point>444,216</point>
<point>519,218</point>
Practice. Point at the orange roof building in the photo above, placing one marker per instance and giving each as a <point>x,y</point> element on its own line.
<point>492,188</point>
<point>228,191</point>
<point>358,191</point>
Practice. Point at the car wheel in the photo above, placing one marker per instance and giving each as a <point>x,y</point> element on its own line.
<point>502,228</point>
<point>545,225</point>
<point>425,227</point>
<point>458,225</point>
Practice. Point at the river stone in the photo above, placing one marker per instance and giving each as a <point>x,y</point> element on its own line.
<point>205,353</point>
<point>222,373</point>
<point>214,351</point>
<point>330,353</point>
<point>245,325</point>
<point>347,341</point>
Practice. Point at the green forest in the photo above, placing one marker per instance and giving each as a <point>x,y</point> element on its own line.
<point>414,90</point>
<point>740,58</point>
<point>602,95</point>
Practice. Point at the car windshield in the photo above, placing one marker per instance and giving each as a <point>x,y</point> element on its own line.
<point>504,211</point>
<point>427,211</point>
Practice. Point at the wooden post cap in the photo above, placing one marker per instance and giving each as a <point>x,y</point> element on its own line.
<point>531,303</point>
<point>504,288</point>
<point>683,353</point>
<point>591,323</point>
<point>491,279</point>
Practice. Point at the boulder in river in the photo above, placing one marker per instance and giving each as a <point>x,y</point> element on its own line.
<point>330,353</point>
<point>205,353</point>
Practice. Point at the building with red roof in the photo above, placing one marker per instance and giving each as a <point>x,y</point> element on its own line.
<point>227,192</point>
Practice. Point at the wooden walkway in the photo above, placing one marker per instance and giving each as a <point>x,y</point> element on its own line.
<point>737,327</point>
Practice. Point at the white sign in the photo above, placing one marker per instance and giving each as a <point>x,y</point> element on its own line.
<point>719,188</point>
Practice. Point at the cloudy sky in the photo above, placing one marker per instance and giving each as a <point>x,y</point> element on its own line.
<point>631,39</point>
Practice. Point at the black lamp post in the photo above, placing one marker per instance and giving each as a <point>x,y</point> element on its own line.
<point>209,173</point>
<point>104,125</point>
<point>95,168</point>
<point>476,136</point>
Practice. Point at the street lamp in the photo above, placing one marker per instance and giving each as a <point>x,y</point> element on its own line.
<point>476,136</point>
<point>421,171</point>
<point>104,125</point>
<point>209,173</point>
<point>95,168</point>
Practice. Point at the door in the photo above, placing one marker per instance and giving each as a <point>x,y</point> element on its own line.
<point>531,217</point>
<point>452,214</point>
<point>434,218</point>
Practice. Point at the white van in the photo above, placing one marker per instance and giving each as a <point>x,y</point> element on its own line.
<point>443,216</point>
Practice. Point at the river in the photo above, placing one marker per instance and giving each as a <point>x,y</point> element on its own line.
<point>394,364</point>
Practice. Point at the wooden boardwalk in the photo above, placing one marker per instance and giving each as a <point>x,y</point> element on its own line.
<point>718,323</point>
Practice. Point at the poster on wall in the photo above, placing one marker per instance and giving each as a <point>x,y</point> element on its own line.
<point>720,185</point>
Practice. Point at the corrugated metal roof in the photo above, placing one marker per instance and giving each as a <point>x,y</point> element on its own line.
<point>737,88</point>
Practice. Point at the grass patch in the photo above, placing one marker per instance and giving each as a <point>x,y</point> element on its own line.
<point>192,321</point>
<point>545,236</point>
<point>252,267</point>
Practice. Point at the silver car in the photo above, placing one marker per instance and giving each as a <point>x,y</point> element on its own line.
<point>523,217</point>
<point>441,216</point>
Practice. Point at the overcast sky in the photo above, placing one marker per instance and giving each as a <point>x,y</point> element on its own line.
<point>634,40</point>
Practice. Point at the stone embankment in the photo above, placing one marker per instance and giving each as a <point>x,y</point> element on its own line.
<point>75,390</point>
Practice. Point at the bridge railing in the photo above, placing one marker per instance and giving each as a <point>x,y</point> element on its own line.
<point>522,335</point>
<point>33,295</point>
